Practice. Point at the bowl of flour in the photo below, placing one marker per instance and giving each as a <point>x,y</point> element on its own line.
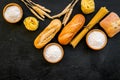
<point>12,13</point>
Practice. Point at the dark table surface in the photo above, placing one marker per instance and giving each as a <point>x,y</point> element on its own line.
<point>20,60</point>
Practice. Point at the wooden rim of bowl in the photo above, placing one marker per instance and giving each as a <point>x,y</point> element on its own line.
<point>13,4</point>
<point>98,30</point>
<point>60,49</point>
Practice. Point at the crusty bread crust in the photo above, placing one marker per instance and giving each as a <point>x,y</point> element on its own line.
<point>48,33</point>
<point>71,29</point>
<point>111,24</point>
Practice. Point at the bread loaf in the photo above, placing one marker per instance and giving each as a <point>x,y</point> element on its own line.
<point>71,29</point>
<point>111,24</point>
<point>48,33</point>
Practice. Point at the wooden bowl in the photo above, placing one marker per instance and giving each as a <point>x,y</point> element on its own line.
<point>60,58</point>
<point>13,4</point>
<point>95,40</point>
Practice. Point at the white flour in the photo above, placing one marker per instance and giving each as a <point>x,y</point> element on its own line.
<point>53,53</point>
<point>12,13</point>
<point>96,39</point>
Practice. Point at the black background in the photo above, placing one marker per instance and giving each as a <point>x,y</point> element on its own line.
<point>20,60</point>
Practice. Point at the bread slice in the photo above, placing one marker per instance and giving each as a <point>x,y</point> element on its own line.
<point>111,24</point>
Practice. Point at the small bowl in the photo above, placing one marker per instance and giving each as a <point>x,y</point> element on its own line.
<point>62,53</point>
<point>93,47</point>
<point>13,4</point>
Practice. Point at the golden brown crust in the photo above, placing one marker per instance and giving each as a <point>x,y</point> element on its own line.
<point>111,24</point>
<point>47,34</point>
<point>71,29</point>
<point>13,4</point>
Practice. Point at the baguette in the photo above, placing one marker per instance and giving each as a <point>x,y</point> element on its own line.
<point>71,29</point>
<point>47,34</point>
